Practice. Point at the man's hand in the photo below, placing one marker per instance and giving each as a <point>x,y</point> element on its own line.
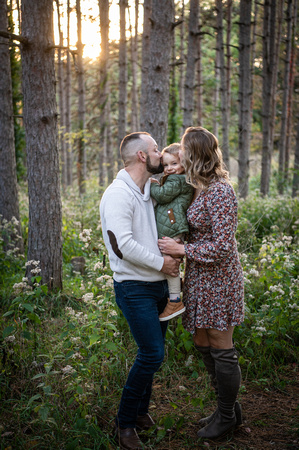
<point>171,266</point>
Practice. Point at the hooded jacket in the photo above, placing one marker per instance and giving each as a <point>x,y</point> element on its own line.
<point>130,232</point>
<point>173,199</point>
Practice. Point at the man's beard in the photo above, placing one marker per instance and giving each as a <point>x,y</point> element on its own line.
<point>153,169</point>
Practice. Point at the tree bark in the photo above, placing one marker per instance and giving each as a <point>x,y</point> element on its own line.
<point>191,63</point>
<point>123,75</point>
<point>245,86</point>
<point>223,84</point>
<point>270,44</point>
<point>81,161</point>
<point>199,105</point>
<point>9,202</point>
<point>182,59</point>
<point>295,188</point>
<point>156,113</point>
<point>106,162</point>
<point>147,11</point>
<point>68,116</point>
<point>286,90</point>
<point>60,82</point>
<point>134,57</point>
<point>40,119</point>
<point>228,56</point>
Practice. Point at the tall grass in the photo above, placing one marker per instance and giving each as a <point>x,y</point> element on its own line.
<point>65,358</point>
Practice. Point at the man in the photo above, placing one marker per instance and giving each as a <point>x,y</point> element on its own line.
<point>130,235</point>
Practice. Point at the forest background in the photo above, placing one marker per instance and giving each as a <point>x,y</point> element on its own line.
<point>65,347</point>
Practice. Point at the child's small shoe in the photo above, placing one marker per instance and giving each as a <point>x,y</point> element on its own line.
<point>172,309</point>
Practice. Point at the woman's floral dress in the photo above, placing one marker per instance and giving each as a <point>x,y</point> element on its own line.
<point>213,290</point>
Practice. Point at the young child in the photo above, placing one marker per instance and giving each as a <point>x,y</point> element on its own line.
<point>173,197</point>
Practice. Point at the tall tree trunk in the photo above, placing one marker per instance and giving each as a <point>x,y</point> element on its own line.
<point>228,56</point>
<point>60,82</point>
<point>286,90</point>
<point>123,75</point>
<point>291,90</point>
<point>295,189</point>
<point>147,12</point>
<point>245,85</point>
<point>9,202</point>
<point>191,63</point>
<point>268,63</point>
<point>81,161</point>
<point>199,105</point>
<point>216,91</point>
<point>68,117</point>
<point>223,84</point>
<point>182,59</point>
<point>156,118</point>
<point>40,119</point>
<point>134,56</point>
<point>106,162</point>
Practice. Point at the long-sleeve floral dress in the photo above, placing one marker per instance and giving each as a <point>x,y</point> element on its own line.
<point>213,290</point>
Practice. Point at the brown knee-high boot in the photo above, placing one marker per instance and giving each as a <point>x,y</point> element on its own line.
<point>228,377</point>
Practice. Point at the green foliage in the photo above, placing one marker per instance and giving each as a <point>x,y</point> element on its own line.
<point>65,357</point>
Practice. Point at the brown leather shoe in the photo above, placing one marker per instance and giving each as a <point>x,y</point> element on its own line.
<point>127,439</point>
<point>144,423</point>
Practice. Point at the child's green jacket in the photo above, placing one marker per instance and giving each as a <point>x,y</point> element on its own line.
<point>173,199</point>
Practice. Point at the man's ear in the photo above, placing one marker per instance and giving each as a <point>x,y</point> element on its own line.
<point>141,155</point>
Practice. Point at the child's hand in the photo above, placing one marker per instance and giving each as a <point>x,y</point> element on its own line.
<point>153,180</point>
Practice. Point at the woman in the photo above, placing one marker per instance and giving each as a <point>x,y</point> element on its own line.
<point>213,289</point>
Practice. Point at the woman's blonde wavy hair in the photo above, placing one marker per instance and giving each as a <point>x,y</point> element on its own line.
<point>202,158</point>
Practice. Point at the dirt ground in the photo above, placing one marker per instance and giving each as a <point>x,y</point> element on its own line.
<point>271,420</point>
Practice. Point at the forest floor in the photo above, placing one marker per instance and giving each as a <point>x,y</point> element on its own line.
<point>270,415</point>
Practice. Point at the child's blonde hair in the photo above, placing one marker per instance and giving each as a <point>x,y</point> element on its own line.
<point>172,149</point>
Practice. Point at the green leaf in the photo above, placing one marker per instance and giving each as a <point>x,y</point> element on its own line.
<point>92,359</point>
<point>79,390</point>
<point>28,307</point>
<point>26,335</point>
<point>94,338</point>
<point>35,397</point>
<point>8,313</point>
<point>111,346</point>
<point>43,412</point>
<point>7,331</point>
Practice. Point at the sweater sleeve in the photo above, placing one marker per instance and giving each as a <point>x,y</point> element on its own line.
<point>117,222</point>
<point>221,211</point>
<point>167,192</point>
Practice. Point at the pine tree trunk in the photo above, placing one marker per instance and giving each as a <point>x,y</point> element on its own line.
<point>81,161</point>
<point>286,90</point>
<point>268,62</point>
<point>223,84</point>
<point>156,112</point>
<point>228,56</point>
<point>134,56</point>
<point>147,12</point>
<point>199,106</point>
<point>60,82</point>
<point>295,189</point>
<point>68,117</point>
<point>191,63</point>
<point>216,91</point>
<point>9,202</point>
<point>123,75</point>
<point>182,59</point>
<point>291,90</point>
<point>106,165</point>
<point>245,85</point>
<point>40,120</point>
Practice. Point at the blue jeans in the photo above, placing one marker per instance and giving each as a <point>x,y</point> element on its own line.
<point>141,303</point>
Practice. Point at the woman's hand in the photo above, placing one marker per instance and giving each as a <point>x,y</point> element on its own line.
<point>171,247</point>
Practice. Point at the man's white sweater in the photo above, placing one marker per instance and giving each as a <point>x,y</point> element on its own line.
<point>129,231</point>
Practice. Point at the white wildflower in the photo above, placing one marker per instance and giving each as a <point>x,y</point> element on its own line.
<point>189,361</point>
<point>10,338</point>
<point>68,369</point>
